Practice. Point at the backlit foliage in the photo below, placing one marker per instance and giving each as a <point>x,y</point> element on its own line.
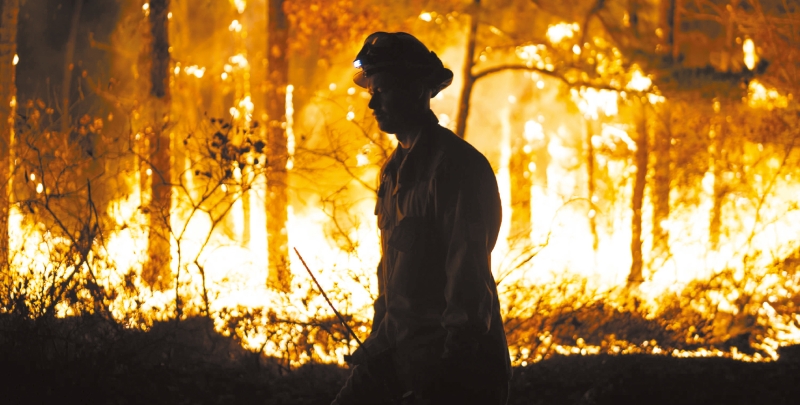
<point>598,117</point>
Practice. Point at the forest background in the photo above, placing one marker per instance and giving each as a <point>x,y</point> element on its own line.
<point>160,160</point>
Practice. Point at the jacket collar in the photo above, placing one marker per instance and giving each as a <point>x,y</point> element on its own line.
<point>410,167</point>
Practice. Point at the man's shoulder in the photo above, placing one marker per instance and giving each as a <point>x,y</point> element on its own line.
<point>456,153</point>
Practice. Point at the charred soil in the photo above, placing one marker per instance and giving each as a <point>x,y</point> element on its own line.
<point>91,361</point>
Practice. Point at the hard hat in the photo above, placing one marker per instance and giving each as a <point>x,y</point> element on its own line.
<point>402,52</point>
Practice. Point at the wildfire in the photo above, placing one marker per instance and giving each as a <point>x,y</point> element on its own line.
<point>558,32</point>
<point>240,5</point>
<point>760,96</point>
<point>639,82</point>
<point>195,71</point>
<point>750,56</point>
<point>571,159</point>
<point>592,101</point>
<point>239,60</point>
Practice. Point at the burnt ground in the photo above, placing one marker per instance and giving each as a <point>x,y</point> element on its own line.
<point>647,379</point>
<point>187,364</point>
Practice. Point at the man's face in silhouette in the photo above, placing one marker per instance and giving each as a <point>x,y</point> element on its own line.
<point>397,103</point>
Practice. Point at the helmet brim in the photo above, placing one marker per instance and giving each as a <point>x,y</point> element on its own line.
<point>361,79</point>
<point>439,80</point>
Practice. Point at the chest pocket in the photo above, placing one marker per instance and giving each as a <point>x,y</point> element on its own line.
<point>413,225</point>
<point>412,200</point>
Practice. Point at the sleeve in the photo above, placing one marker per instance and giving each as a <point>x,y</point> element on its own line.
<point>374,344</point>
<point>468,220</point>
<point>379,306</point>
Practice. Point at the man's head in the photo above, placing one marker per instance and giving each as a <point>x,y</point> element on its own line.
<point>402,76</point>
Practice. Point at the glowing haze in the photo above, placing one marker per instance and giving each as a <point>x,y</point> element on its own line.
<point>234,273</point>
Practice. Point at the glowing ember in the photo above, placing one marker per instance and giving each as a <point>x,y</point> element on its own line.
<point>240,5</point>
<point>592,101</point>
<point>761,96</point>
<point>750,56</point>
<point>639,82</point>
<point>195,71</point>
<point>558,32</point>
<point>240,60</point>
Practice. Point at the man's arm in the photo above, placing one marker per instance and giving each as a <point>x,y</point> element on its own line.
<point>379,306</point>
<point>373,341</point>
<point>468,220</point>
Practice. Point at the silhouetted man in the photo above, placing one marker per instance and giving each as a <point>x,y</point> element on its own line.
<point>437,330</point>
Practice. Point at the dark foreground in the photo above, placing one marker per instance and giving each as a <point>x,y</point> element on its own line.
<point>191,365</point>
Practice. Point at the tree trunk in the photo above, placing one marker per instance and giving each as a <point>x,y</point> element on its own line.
<point>668,13</point>
<point>186,95</point>
<point>69,55</point>
<point>521,183</point>
<point>637,263</point>
<point>277,199</point>
<point>469,78</point>
<point>661,182</point>
<point>719,190</point>
<point>9,12</point>
<point>727,63</point>
<point>590,179</point>
<point>675,33</point>
<point>157,270</point>
<point>256,22</point>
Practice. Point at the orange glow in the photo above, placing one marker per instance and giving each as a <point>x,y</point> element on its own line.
<point>573,143</point>
<point>750,56</point>
<point>558,32</point>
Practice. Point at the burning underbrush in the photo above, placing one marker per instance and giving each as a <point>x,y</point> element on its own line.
<point>746,318</point>
<point>149,218</point>
<point>574,345</point>
<point>77,283</point>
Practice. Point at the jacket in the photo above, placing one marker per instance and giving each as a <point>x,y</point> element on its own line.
<point>439,215</point>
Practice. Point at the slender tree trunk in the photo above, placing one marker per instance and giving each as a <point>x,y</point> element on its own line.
<point>590,179</point>
<point>277,198</point>
<point>663,136</point>
<point>186,96</point>
<point>726,64</point>
<point>244,89</point>
<point>9,12</point>
<point>633,17</point>
<point>469,78</point>
<point>157,271</point>
<point>69,56</point>
<point>675,32</point>
<point>717,134</point>
<point>257,45</point>
<point>246,209</point>
<point>719,190</point>
<point>521,183</point>
<point>637,263</point>
<point>661,182</point>
<point>542,159</point>
<point>670,25</point>
<point>519,169</point>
